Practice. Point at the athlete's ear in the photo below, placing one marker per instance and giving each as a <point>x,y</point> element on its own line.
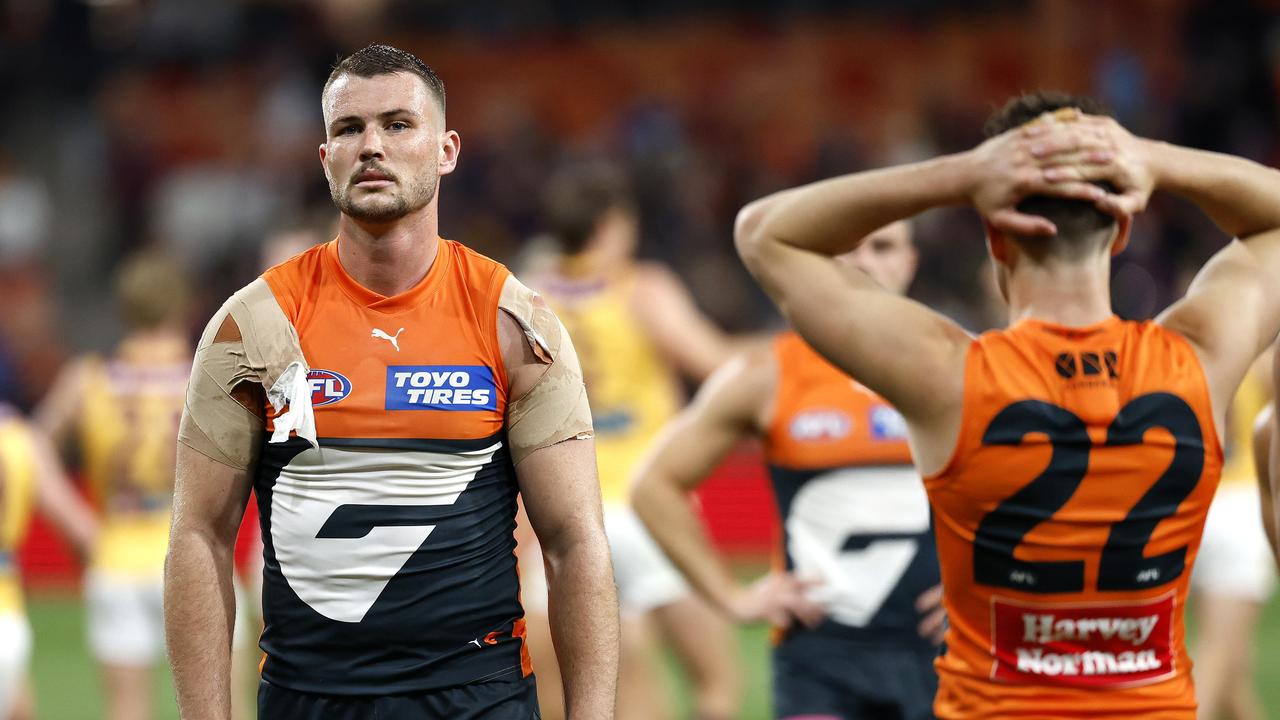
<point>450,146</point>
<point>324,153</point>
<point>1121,240</point>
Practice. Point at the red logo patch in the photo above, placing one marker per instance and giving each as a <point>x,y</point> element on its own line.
<point>1082,645</point>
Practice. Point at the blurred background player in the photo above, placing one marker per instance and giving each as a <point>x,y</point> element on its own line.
<point>116,417</point>
<point>1071,458</point>
<point>1266,462</point>
<point>637,331</point>
<point>1235,573</point>
<point>855,519</point>
<point>30,474</point>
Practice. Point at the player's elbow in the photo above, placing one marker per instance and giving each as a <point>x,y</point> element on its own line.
<point>579,549</point>
<point>750,233</point>
<point>644,498</point>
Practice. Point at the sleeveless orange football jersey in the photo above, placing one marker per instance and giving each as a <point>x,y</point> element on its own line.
<point>853,510</point>
<point>389,554</point>
<point>1068,519</point>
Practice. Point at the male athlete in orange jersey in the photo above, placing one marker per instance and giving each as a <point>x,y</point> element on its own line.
<point>854,515</point>
<point>118,415</point>
<point>419,388</point>
<point>1071,458</point>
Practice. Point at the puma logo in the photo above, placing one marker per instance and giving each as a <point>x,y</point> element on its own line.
<point>393,339</point>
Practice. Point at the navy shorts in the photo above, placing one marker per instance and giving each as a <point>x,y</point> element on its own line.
<point>489,700</point>
<point>826,679</point>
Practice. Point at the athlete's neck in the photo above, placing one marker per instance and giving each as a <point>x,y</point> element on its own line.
<point>390,258</point>
<point>1073,295</point>
<point>159,344</point>
<point>592,263</point>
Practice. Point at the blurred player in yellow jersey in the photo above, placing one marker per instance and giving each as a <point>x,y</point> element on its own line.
<point>1235,575</point>
<point>118,415</point>
<point>30,476</point>
<point>637,330</point>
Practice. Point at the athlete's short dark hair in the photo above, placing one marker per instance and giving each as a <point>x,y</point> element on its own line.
<point>577,197</point>
<point>1075,219</point>
<point>386,60</point>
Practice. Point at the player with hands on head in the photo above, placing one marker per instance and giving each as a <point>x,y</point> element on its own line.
<point>1070,459</point>
<point>857,603</point>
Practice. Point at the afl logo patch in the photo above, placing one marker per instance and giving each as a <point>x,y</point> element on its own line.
<point>887,423</point>
<point>820,425</point>
<point>327,387</point>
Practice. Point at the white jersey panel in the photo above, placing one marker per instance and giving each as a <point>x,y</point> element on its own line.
<point>342,577</point>
<point>885,507</point>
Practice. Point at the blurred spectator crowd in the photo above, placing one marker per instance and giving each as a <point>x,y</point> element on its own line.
<point>193,125</point>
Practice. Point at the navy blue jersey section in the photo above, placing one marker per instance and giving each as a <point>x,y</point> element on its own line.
<point>866,533</point>
<point>816,678</point>
<point>389,564</point>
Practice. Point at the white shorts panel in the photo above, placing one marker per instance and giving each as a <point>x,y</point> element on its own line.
<point>125,618</point>
<point>15,657</point>
<point>1235,558</point>
<point>646,578</point>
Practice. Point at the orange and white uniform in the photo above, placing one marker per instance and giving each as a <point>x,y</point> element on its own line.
<point>127,430</point>
<point>389,562</point>
<point>855,517</point>
<point>854,512</point>
<point>1068,520</point>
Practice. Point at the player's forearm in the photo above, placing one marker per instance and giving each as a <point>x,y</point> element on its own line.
<point>583,610</point>
<point>833,216</point>
<point>662,505</point>
<point>199,614</point>
<point>1241,196</point>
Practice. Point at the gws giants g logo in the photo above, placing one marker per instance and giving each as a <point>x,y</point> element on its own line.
<point>327,387</point>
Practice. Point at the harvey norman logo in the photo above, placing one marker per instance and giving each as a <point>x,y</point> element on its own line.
<point>441,387</point>
<point>1085,645</point>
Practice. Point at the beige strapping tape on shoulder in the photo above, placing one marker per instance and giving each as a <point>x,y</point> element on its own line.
<point>555,408</point>
<point>268,353</point>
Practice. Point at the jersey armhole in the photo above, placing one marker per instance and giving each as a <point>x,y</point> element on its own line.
<point>777,348</point>
<point>1215,435</point>
<point>493,301</point>
<point>958,451</point>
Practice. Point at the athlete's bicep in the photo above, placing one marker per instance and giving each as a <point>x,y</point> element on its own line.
<point>907,353</point>
<point>562,494</point>
<point>726,410</point>
<point>1231,312</point>
<point>223,416</point>
<point>209,496</point>
<point>546,396</point>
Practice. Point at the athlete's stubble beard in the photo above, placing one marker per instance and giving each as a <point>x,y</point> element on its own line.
<point>379,209</point>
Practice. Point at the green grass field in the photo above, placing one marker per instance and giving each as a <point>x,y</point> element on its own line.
<point>67,688</point>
